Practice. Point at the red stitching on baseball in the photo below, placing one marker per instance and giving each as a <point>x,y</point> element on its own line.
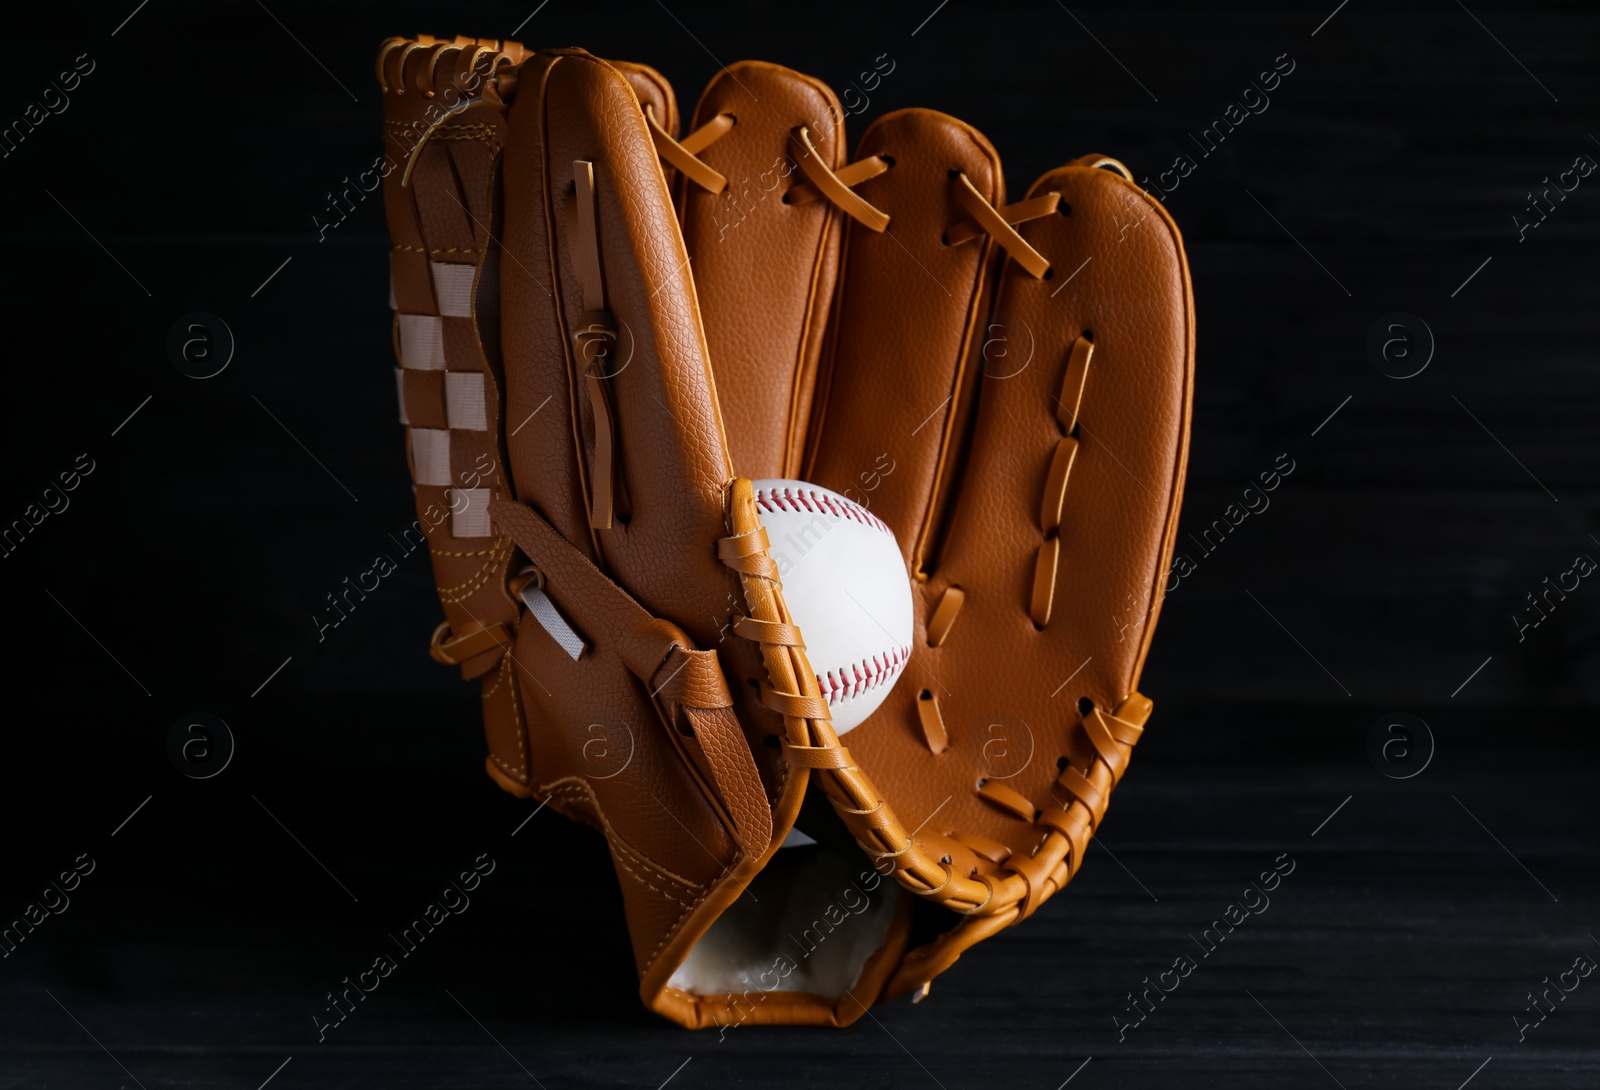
<point>803,499</point>
<point>869,673</point>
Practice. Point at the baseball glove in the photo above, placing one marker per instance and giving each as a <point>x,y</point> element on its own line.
<point>1005,384</point>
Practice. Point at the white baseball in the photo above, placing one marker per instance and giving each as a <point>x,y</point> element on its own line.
<point>846,587</point>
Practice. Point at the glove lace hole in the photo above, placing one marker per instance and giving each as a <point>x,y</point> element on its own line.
<point>1085,706</point>
<point>1064,208</point>
<point>888,159</point>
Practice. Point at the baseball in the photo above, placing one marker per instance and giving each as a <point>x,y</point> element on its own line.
<point>846,587</point>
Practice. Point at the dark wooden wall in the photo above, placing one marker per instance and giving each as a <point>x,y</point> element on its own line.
<point>1396,151</point>
<point>1387,168</point>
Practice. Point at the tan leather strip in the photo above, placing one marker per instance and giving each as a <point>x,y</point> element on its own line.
<point>682,157</point>
<point>998,229</point>
<point>819,756</point>
<point>1044,580</point>
<point>760,565</point>
<point>1100,737</point>
<point>593,326</point>
<point>1021,212</point>
<point>747,554</point>
<point>707,134</point>
<point>587,242</point>
<point>774,632</point>
<point>1133,713</point>
<point>799,705</point>
<point>933,731</point>
<point>829,185</point>
<point>1071,824</point>
<point>1077,834</point>
<point>1055,484</point>
<point>1124,732</point>
<point>1077,786</point>
<point>474,638</point>
<point>1037,872</point>
<point>1007,798</point>
<point>600,499</point>
<point>881,853</point>
<point>1072,384</point>
<point>852,174</point>
<point>738,546</point>
<point>691,678</point>
<point>846,808</point>
<point>733,769</point>
<point>992,850</point>
<point>944,615</point>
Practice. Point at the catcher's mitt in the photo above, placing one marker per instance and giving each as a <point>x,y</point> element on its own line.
<point>1007,385</point>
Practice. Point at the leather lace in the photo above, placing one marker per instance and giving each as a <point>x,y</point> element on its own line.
<point>594,339</point>
<point>837,187</point>
<point>1000,223</point>
<point>685,154</point>
<point>1052,503</point>
<point>834,186</point>
<point>1077,803</point>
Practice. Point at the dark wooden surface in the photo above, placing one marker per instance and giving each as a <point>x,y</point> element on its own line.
<point>1383,577</point>
<point>1396,951</point>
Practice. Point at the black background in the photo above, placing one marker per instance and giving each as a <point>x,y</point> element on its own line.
<point>1383,578</point>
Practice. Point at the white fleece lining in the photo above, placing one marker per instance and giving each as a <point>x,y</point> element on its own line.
<point>808,923</point>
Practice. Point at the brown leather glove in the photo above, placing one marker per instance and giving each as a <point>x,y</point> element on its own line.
<point>1006,385</point>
